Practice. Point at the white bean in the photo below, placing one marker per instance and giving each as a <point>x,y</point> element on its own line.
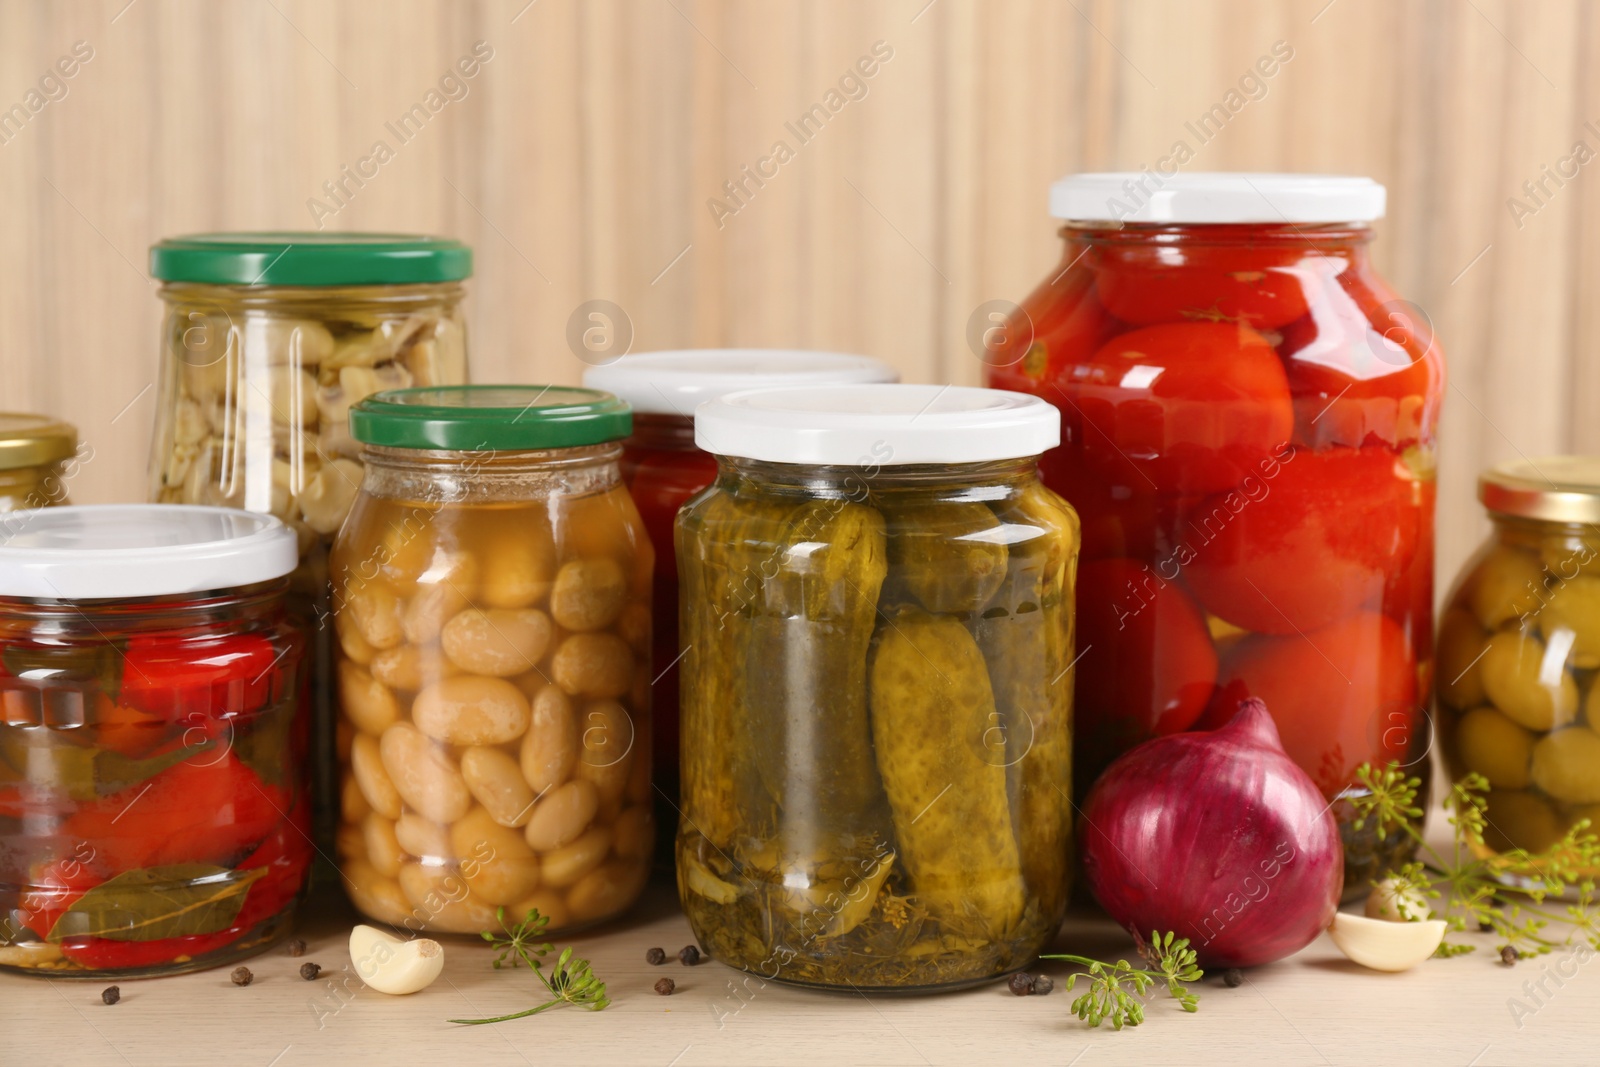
<point>588,593</point>
<point>442,900</point>
<point>606,890</point>
<point>375,609</point>
<point>564,813</point>
<point>471,710</point>
<point>383,851</point>
<point>366,764</point>
<point>550,747</point>
<point>424,774</point>
<point>365,701</point>
<point>499,642</point>
<point>496,862</point>
<point>423,838</point>
<point>593,665</point>
<point>410,668</point>
<point>566,865</point>
<point>497,783</point>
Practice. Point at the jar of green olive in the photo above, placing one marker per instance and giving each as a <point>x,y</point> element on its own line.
<point>1519,653</point>
<point>876,613</point>
<point>268,340</point>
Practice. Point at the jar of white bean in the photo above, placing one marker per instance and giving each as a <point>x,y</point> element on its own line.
<point>267,340</point>
<point>491,600</point>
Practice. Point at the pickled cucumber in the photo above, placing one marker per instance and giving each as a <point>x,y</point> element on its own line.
<point>944,554</point>
<point>931,704</point>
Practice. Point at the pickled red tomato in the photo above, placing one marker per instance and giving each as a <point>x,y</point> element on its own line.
<point>1318,542</point>
<point>1342,696</point>
<point>1114,521</point>
<point>1261,287</point>
<point>1146,663</point>
<point>1187,407</point>
<point>1361,372</point>
<point>1057,324</point>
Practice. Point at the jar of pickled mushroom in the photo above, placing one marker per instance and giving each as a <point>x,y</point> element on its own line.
<point>492,604</point>
<point>38,457</point>
<point>268,339</point>
<point>877,613</point>
<point>663,468</point>
<point>1248,435</point>
<point>154,806</point>
<point>1519,652</point>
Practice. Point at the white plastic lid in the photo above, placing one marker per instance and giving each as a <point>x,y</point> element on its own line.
<point>95,552</point>
<point>1145,196</point>
<point>673,383</point>
<point>877,425</point>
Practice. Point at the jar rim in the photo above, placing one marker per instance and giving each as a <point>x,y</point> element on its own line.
<point>490,418</point>
<point>1217,197</point>
<point>672,382</point>
<point>310,259</point>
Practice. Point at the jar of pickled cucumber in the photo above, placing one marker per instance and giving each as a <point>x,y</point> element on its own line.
<point>154,802</point>
<point>1519,653</point>
<point>1249,433</point>
<point>491,597</point>
<point>38,456</point>
<point>267,340</point>
<point>876,606</point>
<point>663,468</point>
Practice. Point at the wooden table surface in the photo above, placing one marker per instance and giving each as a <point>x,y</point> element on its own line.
<point>1315,1008</point>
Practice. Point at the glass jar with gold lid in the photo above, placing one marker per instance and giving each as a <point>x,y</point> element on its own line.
<point>36,457</point>
<point>1519,653</point>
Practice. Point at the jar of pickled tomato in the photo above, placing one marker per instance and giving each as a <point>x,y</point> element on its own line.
<point>1248,434</point>
<point>492,603</point>
<point>38,456</point>
<point>663,468</point>
<point>154,807</point>
<point>877,611</point>
<point>1519,652</point>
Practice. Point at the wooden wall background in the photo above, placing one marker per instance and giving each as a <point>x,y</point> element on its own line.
<point>580,162</point>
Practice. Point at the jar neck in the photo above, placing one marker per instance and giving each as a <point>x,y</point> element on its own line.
<point>32,487</point>
<point>672,433</point>
<point>439,476</point>
<point>231,610</point>
<point>285,299</point>
<point>1347,238</point>
<point>859,482</point>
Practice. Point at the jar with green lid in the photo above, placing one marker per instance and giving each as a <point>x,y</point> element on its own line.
<point>876,608</point>
<point>491,597</point>
<point>1518,653</point>
<point>37,457</point>
<point>267,341</point>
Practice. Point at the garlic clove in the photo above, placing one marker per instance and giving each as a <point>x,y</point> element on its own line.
<point>1383,945</point>
<point>1396,902</point>
<point>390,965</point>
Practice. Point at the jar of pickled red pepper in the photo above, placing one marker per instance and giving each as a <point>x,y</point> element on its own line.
<point>1519,651</point>
<point>38,457</point>
<point>877,613</point>
<point>492,604</point>
<point>663,468</point>
<point>1248,434</point>
<point>154,807</point>
<point>267,341</point>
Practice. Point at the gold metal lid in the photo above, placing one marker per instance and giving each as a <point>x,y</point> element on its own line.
<point>1551,488</point>
<point>34,440</point>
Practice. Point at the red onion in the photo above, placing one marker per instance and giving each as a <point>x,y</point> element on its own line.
<point>1219,837</point>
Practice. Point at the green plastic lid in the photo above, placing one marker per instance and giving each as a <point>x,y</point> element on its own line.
<point>490,418</point>
<point>311,259</point>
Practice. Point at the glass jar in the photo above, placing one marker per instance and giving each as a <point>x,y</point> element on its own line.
<point>663,468</point>
<point>154,814</point>
<point>1519,648</point>
<point>267,340</point>
<point>492,603</point>
<point>1248,434</point>
<point>877,611</point>
<point>38,456</point>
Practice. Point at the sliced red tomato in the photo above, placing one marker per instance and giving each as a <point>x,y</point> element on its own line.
<point>1362,371</point>
<point>179,675</point>
<point>287,855</point>
<point>1259,286</point>
<point>1316,542</point>
<point>1191,407</point>
<point>104,954</point>
<point>1146,664</point>
<point>1342,696</point>
<point>208,809</point>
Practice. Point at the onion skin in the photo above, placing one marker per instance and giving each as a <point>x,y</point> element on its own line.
<point>1219,837</point>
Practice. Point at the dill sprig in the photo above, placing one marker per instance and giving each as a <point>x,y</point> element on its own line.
<point>570,981</point>
<point>1117,991</point>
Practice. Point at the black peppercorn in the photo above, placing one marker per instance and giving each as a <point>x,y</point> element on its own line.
<point>655,957</point>
<point>1043,985</point>
<point>111,994</point>
<point>297,947</point>
<point>1485,927</point>
<point>665,986</point>
<point>1233,978</point>
<point>1021,984</point>
<point>1509,955</point>
<point>242,976</point>
<point>309,971</point>
<point>689,955</point>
